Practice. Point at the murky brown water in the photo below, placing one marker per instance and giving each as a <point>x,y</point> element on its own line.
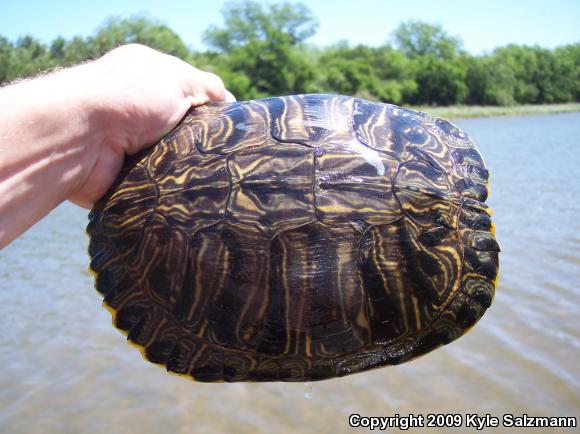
<point>65,369</point>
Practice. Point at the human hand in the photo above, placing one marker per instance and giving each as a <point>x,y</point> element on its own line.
<point>142,94</point>
<point>64,135</point>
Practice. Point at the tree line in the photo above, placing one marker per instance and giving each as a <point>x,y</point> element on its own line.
<point>263,50</point>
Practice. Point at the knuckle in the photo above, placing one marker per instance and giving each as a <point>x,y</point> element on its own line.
<point>214,79</point>
<point>129,50</point>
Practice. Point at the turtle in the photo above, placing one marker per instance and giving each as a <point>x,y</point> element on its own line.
<point>296,238</point>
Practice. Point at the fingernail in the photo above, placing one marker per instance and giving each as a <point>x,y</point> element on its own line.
<point>230,97</point>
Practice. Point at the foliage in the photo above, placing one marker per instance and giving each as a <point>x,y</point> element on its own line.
<point>141,30</point>
<point>417,39</point>
<point>262,50</point>
<point>250,21</point>
<point>380,73</point>
<point>440,81</point>
<point>264,44</point>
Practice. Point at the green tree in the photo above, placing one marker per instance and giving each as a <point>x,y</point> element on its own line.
<point>440,66</point>
<point>380,73</point>
<point>6,48</point>
<point>569,56</point>
<point>137,29</point>
<point>262,48</point>
<point>250,21</point>
<point>440,82</point>
<point>417,38</point>
<point>554,76</point>
<point>28,57</point>
<point>489,81</point>
<point>523,63</point>
<point>261,51</point>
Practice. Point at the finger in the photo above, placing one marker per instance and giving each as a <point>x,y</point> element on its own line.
<point>230,96</point>
<point>214,87</point>
<point>202,87</point>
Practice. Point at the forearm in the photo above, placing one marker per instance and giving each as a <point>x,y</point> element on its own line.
<point>64,136</point>
<point>49,140</point>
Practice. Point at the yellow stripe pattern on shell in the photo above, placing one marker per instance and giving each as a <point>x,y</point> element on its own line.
<point>296,238</point>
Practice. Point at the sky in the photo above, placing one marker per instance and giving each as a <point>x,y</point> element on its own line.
<point>482,25</point>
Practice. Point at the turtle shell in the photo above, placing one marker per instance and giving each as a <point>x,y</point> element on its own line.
<point>296,238</point>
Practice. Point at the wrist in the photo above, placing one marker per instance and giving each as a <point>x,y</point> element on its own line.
<point>52,137</point>
<point>118,104</point>
<point>92,98</point>
<point>55,115</point>
<point>85,117</point>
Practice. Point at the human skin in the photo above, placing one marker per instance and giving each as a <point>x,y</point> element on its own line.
<point>64,136</point>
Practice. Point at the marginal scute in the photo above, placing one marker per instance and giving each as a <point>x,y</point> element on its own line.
<point>426,195</point>
<point>480,290</point>
<point>267,369</point>
<point>471,189</point>
<point>292,368</point>
<point>296,238</point>
<point>445,328</point>
<point>102,259</point>
<point>474,218</point>
<point>484,263</point>
<point>160,350</point>
<point>480,240</point>
<point>99,242</point>
<point>128,317</point>
<point>208,365</point>
<point>474,173</point>
<point>475,205</point>
<point>454,137</point>
<point>121,289</point>
<point>179,361</point>
<point>236,367</point>
<point>145,331</point>
<point>467,156</point>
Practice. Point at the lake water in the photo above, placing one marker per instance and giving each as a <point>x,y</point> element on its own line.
<point>65,369</point>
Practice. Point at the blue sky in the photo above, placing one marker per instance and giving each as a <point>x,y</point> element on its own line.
<point>482,25</point>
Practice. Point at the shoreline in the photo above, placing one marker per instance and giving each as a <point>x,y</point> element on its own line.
<point>477,111</point>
